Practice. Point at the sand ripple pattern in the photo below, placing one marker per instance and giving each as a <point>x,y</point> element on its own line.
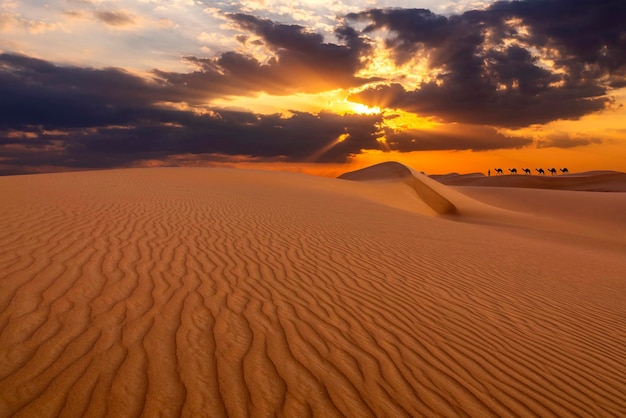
<point>215,292</point>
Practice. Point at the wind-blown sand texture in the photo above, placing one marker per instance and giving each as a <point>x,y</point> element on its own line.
<point>202,292</point>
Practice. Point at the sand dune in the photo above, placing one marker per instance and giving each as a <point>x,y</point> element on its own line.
<point>428,191</point>
<point>219,292</point>
<point>597,181</point>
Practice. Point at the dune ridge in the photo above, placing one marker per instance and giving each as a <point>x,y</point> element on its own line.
<point>216,292</point>
<point>423,186</point>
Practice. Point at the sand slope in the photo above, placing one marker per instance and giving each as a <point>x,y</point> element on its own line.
<point>216,292</point>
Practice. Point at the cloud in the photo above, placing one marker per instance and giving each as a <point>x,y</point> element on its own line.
<point>11,22</point>
<point>116,19</point>
<point>75,14</point>
<point>583,31</point>
<point>512,64</point>
<point>72,117</point>
<point>564,140</point>
<point>302,62</point>
<point>453,137</point>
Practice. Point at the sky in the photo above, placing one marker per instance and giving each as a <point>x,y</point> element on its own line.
<point>315,86</point>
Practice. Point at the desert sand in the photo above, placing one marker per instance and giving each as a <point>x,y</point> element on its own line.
<point>209,292</point>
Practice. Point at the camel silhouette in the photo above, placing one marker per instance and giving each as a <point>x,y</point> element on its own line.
<point>498,170</point>
<point>552,171</point>
<point>540,171</point>
<point>564,170</point>
<point>513,170</point>
<point>526,170</point>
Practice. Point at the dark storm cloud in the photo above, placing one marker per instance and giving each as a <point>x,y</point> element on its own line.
<point>587,31</point>
<point>298,47</point>
<point>237,133</point>
<point>303,62</point>
<point>270,138</point>
<point>36,92</point>
<point>86,118</point>
<point>483,81</point>
<point>472,106</point>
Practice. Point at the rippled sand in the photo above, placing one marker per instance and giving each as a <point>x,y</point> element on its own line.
<point>218,292</point>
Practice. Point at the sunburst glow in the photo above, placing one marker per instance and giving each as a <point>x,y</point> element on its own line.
<point>402,121</point>
<point>363,109</point>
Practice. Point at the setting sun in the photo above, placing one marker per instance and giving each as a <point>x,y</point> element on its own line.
<point>363,109</point>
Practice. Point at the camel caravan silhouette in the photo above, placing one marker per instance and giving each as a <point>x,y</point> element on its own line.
<point>540,171</point>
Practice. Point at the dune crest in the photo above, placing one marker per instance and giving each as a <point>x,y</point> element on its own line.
<point>439,198</point>
<point>428,190</point>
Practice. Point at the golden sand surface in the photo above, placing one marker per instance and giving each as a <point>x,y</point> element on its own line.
<point>210,292</point>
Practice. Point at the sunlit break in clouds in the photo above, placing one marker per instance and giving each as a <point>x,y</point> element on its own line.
<point>440,85</point>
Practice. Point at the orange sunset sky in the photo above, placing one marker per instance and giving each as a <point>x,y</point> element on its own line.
<point>313,86</point>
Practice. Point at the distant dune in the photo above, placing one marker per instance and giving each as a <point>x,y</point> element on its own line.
<point>205,292</point>
<point>597,181</point>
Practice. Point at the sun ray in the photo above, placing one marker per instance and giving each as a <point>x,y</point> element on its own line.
<point>317,154</point>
